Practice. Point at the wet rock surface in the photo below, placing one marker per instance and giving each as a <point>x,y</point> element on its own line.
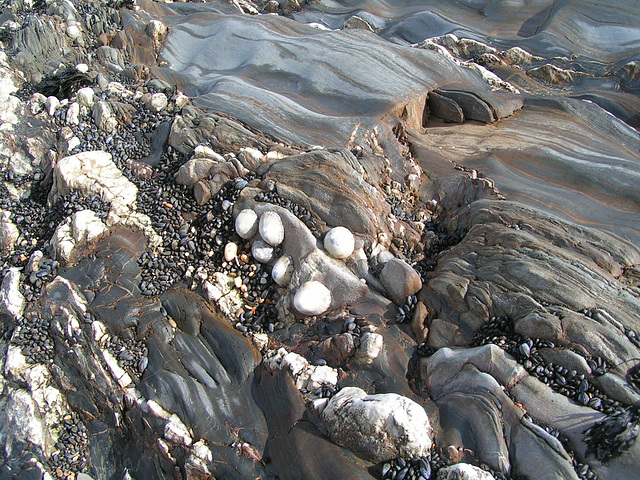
<point>319,240</point>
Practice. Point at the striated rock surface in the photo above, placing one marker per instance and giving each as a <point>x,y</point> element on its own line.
<point>177,301</point>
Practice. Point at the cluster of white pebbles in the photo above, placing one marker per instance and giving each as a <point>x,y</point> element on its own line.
<point>266,232</point>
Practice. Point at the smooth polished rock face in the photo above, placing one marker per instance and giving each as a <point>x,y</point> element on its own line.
<point>172,350</point>
<point>400,280</point>
<point>317,94</point>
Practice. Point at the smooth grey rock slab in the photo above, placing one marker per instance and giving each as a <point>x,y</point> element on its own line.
<point>473,107</point>
<point>278,67</point>
<point>445,108</point>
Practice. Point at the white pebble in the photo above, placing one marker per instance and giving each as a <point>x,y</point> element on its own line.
<point>384,256</point>
<point>339,242</point>
<point>313,298</point>
<point>85,96</point>
<point>51,104</point>
<point>262,251</point>
<point>282,271</point>
<point>271,228</point>
<point>230,251</point>
<point>247,223</point>
<point>82,67</point>
<point>157,102</point>
<point>73,113</point>
<point>73,31</point>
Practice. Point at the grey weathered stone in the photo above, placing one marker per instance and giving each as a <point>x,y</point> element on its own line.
<point>193,171</point>
<point>552,75</point>
<point>371,345</point>
<point>400,280</point>
<point>8,232</point>
<point>103,116</point>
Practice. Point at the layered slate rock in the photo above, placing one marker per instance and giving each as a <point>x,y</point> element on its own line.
<point>300,99</point>
<point>517,225</point>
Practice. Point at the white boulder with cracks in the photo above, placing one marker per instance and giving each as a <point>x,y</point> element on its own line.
<point>94,173</point>
<point>463,471</point>
<point>12,302</point>
<point>82,226</point>
<point>377,427</point>
<point>306,376</point>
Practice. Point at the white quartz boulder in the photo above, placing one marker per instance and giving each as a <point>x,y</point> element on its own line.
<point>377,427</point>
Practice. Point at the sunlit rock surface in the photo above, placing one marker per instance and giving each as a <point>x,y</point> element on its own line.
<point>490,148</point>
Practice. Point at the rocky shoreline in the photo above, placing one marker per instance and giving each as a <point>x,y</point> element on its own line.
<point>229,251</point>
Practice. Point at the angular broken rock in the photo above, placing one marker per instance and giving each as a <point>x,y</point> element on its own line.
<point>377,427</point>
<point>370,347</point>
<point>193,171</point>
<point>82,226</point>
<point>11,300</point>
<point>92,173</point>
<point>103,117</point>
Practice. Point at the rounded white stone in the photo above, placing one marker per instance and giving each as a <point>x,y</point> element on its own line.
<point>230,251</point>
<point>262,251</point>
<point>247,223</point>
<point>313,298</point>
<point>82,67</point>
<point>384,256</point>
<point>158,102</point>
<point>282,271</point>
<point>73,31</point>
<point>271,228</point>
<point>339,242</point>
